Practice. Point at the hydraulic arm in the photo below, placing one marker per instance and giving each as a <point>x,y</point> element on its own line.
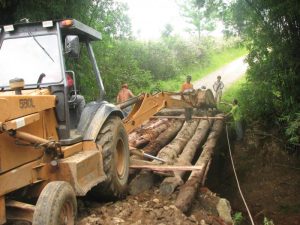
<point>147,105</point>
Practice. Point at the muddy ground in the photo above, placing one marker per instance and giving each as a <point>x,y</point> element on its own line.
<point>269,174</point>
<point>269,177</point>
<point>149,208</point>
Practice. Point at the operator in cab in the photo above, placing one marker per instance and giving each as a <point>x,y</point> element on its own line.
<point>78,99</point>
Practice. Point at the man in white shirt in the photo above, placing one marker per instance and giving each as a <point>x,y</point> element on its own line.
<point>218,87</point>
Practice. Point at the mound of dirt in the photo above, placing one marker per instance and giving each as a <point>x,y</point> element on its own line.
<point>269,177</point>
<point>152,209</point>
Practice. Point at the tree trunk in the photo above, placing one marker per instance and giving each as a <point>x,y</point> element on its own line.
<point>189,189</point>
<point>170,112</point>
<point>144,180</point>
<point>149,135</point>
<point>164,138</point>
<point>169,184</point>
<point>170,152</point>
<point>148,126</point>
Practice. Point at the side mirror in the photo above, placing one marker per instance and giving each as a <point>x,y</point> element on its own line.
<point>72,46</point>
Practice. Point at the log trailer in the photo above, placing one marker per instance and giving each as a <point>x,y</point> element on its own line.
<point>49,152</point>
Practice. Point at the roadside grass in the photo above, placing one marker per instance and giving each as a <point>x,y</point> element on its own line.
<point>231,93</point>
<point>217,60</point>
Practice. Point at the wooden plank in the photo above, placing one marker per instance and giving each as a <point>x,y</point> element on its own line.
<point>166,167</point>
<point>193,117</point>
<point>137,162</point>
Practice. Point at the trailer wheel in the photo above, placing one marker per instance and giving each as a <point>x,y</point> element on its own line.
<point>114,141</point>
<point>56,205</point>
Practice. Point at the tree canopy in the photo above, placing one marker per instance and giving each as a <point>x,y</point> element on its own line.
<point>271,30</point>
<point>201,14</point>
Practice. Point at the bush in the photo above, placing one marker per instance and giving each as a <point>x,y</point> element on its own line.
<point>141,65</point>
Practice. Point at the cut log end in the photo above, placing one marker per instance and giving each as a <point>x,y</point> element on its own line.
<point>142,182</point>
<point>169,185</point>
<point>185,199</point>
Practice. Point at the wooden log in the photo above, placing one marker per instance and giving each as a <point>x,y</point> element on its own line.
<point>164,138</point>
<point>170,112</point>
<point>188,190</point>
<point>169,184</point>
<point>154,123</point>
<point>150,135</point>
<point>206,172</point>
<point>144,180</point>
<point>170,152</point>
<point>148,126</point>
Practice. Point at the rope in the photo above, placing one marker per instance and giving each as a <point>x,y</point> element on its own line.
<point>236,178</point>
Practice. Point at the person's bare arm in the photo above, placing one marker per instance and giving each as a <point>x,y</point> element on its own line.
<point>118,98</point>
<point>130,94</point>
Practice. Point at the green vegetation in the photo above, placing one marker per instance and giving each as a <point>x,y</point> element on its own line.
<point>145,66</point>
<point>217,59</point>
<point>238,218</point>
<point>268,221</point>
<point>271,30</point>
<point>232,92</point>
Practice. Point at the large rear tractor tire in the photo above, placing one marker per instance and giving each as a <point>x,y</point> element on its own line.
<point>114,141</point>
<point>56,205</point>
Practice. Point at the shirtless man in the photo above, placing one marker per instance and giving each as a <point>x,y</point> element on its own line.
<point>123,95</point>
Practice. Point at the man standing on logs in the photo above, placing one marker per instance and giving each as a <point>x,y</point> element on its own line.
<point>237,117</point>
<point>123,95</point>
<point>218,87</point>
<point>187,85</point>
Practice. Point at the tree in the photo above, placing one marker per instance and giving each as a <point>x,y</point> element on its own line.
<point>201,14</point>
<point>271,30</point>
<point>167,32</point>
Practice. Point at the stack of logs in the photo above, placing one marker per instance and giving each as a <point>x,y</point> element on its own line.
<point>177,142</point>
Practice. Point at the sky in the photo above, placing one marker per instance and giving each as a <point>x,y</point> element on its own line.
<point>149,17</point>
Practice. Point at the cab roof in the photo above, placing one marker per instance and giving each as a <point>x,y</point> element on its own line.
<point>67,27</point>
<point>83,31</point>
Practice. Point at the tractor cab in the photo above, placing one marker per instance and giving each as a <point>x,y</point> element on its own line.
<point>37,54</point>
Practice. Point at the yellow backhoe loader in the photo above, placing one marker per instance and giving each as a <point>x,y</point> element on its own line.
<point>53,147</point>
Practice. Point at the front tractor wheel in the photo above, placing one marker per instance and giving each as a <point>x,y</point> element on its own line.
<point>114,141</point>
<point>56,205</point>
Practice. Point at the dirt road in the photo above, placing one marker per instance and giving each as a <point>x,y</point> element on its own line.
<point>229,73</point>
